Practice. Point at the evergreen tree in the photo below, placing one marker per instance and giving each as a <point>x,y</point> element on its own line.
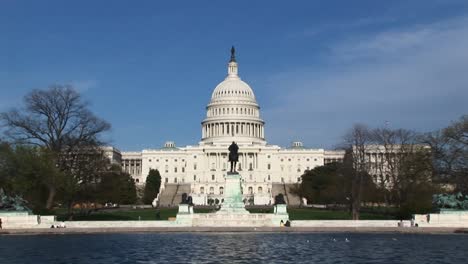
<point>117,187</point>
<point>153,182</point>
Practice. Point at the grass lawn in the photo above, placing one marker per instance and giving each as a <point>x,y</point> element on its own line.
<point>165,213</point>
<point>324,214</point>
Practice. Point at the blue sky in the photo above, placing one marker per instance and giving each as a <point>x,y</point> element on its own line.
<point>316,67</point>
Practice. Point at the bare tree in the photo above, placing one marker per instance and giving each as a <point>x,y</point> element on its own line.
<point>396,154</point>
<point>449,148</point>
<point>357,142</point>
<point>57,119</point>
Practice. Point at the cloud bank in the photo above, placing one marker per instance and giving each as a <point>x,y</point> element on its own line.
<point>414,77</point>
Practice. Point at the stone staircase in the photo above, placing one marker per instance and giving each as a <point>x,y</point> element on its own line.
<point>293,199</point>
<point>290,198</point>
<point>172,194</point>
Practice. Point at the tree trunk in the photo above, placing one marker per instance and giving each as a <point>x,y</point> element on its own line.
<point>50,198</point>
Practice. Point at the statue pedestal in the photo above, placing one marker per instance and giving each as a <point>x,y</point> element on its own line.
<point>233,203</point>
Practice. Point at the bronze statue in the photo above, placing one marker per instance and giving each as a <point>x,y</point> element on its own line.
<point>233,155</point>
<point>233,54</point>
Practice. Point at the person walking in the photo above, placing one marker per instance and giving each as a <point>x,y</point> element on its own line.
<point>1,224</point>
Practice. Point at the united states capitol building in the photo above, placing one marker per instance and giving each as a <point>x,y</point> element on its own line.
<point>232,115</point>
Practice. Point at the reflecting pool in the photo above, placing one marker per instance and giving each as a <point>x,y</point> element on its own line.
<point>235,248</point>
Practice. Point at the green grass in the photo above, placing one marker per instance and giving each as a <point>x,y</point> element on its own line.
<point>165,213</point>
<point>323,214</point>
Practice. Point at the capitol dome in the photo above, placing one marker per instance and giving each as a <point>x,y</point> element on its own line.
<point>233,113</point>
<point>233,88</point>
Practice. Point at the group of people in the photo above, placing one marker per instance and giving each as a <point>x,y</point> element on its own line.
<point>287,224</point>
<point>60,225</point>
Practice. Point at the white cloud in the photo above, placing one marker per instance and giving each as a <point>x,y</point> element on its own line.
<point>414,77</point>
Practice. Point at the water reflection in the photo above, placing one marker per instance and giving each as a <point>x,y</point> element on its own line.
<point>234,248</point>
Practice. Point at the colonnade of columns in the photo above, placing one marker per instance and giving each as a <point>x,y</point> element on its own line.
<point>233,129</point>
<point>215,160</point>
<point>132,166</point>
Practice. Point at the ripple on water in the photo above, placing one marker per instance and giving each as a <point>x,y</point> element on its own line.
<point>235,248</point>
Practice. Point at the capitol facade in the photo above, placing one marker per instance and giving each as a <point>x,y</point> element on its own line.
<point>232,115</point>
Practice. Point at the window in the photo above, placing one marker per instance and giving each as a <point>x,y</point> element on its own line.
<point>250,190</point>
<point>260,189</point>
<point>315,159</point>
<point>194,177</point>
<point>268,156</point>
<point>299,179</point>
<point>175,180</point>
<point>269,166</point>
<point>175,169</point>
<point>250,166</point>
<point>175,160</point>
<point>149,160</point>
<point>221,190</point>
<point>166,169</point>
<point>202,190</point>
<point>269,178</point>
<point>183,169</point>
<point>194,166</point>
<point>167,180</point>
<point>137,180</point>
<point>211,190</point>
<point>212,177</point>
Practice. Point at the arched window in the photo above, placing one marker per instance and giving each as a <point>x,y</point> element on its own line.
<point>250,190</point>
<point>221,190</point>
<point>211,190</point>
<point>202,190</point>
<point>260,189</point>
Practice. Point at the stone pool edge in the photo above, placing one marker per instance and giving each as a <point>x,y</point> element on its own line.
<point>64,231</point>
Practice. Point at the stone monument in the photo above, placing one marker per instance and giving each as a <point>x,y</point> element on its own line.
<point>232,212</point>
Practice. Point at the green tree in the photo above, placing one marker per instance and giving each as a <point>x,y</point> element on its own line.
<point>117,187</point>
<point>152,185</point>
<point>27,171</point>
<point>58,120</point>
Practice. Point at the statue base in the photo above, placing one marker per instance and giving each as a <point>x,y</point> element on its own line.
<point>233,203</point>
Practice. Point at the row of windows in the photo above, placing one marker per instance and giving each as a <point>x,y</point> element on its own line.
<point>166,160</point>
<point>308,159</point>
<point>282,160</point>
<point>233,92</point>
<point>227,111</point>
<point>221,190</point>
<point>213,168</point>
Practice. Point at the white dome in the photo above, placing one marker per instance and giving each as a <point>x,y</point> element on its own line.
<point>233,113</point>
<point>233,88</point>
